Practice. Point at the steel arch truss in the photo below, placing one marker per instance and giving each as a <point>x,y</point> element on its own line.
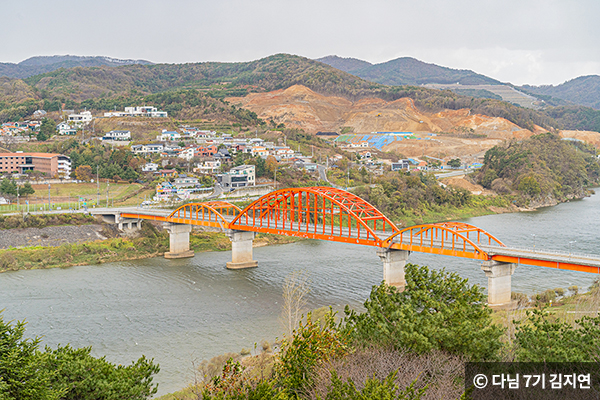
<point>212,213</point>
<point>318,213</point>
<point>449,238</point>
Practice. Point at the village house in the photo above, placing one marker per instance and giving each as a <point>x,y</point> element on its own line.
<point>144,111</point>
<point>81,118</point>
<point>150,167</point>
<point>117,136</point>
<point>240,176</point>
<point>65,129</point>
<point>168,136</point>
<point>208,167</point>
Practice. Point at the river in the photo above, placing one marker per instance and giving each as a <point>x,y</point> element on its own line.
<point>193,309</point>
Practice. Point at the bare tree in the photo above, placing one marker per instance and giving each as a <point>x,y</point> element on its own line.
<point>295,290</point>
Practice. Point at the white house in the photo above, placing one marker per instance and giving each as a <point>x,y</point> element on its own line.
<point>150,167</point>
<point>168,135</point>
<point>184,181</point>
<point>81,118</point>
<point>144,111</point>
<point>208,167</point>
<point>146,149</point>
<point>117,135</point>
<point>187,154</point>
<point>65,129</point>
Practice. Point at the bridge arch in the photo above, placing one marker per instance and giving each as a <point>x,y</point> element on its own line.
<point>446,238</point>
<point>212,213</point>
<point>318,213</point>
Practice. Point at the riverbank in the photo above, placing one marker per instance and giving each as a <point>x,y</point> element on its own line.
<point>148,243</point>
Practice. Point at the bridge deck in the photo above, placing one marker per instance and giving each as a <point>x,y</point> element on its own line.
<point>346,234</point>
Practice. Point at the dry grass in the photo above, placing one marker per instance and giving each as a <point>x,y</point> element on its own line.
<point>440,372</point>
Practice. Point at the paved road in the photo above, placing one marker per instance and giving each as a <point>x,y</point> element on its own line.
<point>453,173</point>
<point>323,175</point>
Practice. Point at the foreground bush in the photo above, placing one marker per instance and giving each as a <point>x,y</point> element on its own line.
<point>26,373</point>
<point>437,311</point>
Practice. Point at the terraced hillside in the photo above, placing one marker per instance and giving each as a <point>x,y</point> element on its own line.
<point>507,93</point>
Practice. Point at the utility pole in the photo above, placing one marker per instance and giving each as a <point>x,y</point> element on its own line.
<point>98,186</point>
<point>348,182</point>
<point>107,185</point>
<point>48,197</point>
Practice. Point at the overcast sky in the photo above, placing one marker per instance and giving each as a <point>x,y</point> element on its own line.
<point>519,41</point>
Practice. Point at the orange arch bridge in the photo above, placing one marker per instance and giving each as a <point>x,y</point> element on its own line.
<point>337,215</point>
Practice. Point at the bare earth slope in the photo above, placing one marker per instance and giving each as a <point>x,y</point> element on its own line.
<point>302,108</point>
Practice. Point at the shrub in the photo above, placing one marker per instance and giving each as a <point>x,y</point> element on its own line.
<point>438,310</point>
<point>542,339</point>
<point>311,345</point>
<point>574,290</point>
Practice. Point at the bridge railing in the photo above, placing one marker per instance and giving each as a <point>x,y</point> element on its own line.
<point>540,252</point>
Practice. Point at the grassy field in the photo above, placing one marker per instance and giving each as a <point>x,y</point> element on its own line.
<point>72,196</point>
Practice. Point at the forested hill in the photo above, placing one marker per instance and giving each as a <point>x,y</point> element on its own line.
<point>543,169</point>
<point>346,64</point>
<point>39,65</point>
<point>407,71</point>
<point>279,71</point>
<point>219,80</point>
<point>584,90</point>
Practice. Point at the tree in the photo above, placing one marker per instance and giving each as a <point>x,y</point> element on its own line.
<point>26,189</point>
<point>295,290</point>
<point>454,163</point>
<point>312,343</point>
<point>529,185</point>
<point>8,186</point>
<point>84,377</point>
<point>271,164</point>
<point>47,129</point>
<point>83,173</point>
<point>542,339</point>
<point>438,310</point>
<point>66,373</point>
<point>20,374</point>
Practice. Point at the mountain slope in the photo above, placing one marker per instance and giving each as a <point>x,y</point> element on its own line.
<point>106,85</point>
<point>344,64</point>
<point>270,73</point>
<point>42,64</point>
<point>409,71</point>
<point>584,90</point>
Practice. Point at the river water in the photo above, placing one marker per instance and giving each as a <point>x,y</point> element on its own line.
<point>178,311</point>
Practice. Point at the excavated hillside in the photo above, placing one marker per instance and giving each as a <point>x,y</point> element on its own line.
<point>459,133</point>
<point>301,107</point>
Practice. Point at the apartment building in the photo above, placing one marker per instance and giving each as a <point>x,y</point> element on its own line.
<point>54,165</point>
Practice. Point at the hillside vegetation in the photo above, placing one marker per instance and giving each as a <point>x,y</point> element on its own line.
<point>542,169</point>
<point>39,65</point>
<point>410,71</point>
<point>219,80</point>
<point>584,90</point>
<point>406,71</point>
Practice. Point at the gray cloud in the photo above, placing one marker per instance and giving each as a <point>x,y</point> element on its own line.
<point>521,41</point>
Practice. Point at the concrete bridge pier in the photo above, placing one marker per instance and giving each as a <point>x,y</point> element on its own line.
<point>129,223</point>
<point>179,240</point>
<point>241,250</point>
<point>393,267</point>
<point>499,283</point>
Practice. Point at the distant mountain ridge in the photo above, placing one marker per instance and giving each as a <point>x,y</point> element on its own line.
<point>344,64</point>
<point>103,88</point>
<point>407,71</point>
<point>584,90</point>
<point>42,64</point>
